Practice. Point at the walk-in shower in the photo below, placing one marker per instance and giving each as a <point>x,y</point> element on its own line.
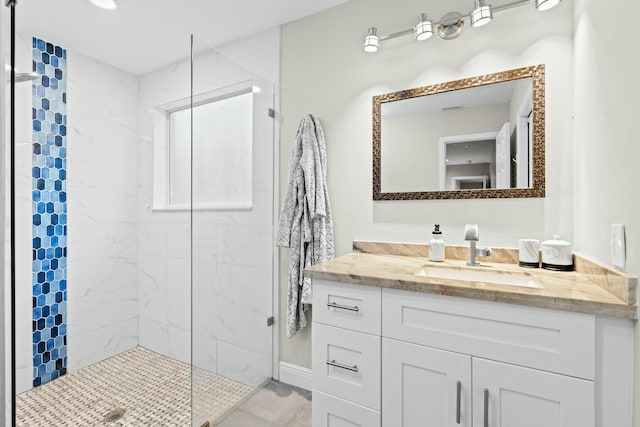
<point>141,232</point>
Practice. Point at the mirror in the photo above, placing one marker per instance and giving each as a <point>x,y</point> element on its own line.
<point>479,137</point>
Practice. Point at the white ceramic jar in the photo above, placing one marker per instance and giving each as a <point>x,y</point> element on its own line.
<point>557,255</point>
<point>529,253</point>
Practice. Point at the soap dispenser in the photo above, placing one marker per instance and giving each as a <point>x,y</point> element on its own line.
<point>436,245</point>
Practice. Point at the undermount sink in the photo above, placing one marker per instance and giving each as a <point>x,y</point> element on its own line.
<point>478,275</point>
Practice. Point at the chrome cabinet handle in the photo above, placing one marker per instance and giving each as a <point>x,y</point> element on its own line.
<point>343,307</point>
<point>486,407</point>
<point>353,368</point>
<point>458,393</point>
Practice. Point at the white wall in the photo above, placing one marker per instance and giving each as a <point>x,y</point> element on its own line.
<point>102,238</point>
<point>325,71</point>
<point>232,252</point>
<point>606,148</point>
<point>478,169</point>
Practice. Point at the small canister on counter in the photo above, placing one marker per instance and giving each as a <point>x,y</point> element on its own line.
<point>557,255</point>
<point>529,253</point>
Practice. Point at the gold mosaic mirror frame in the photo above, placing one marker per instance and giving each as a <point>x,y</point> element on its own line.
<point>536,72</point>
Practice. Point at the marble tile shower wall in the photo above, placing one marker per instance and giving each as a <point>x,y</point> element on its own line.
<point>101,179</point>
<point>103,162</point>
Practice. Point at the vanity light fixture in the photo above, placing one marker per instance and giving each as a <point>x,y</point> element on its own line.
<point>105,4</point>
<point>372,41</point>
<point>424,28</point>
<point>451,25</point>
<point>543,5</point>
<point>481,15</point>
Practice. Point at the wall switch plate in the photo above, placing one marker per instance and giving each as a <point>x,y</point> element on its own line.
<point>618,246</point>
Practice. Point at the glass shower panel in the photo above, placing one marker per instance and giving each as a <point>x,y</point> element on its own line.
<point>232,176</point>
<point>5,248</point>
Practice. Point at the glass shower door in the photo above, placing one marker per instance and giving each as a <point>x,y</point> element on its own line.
<point>232,181</point>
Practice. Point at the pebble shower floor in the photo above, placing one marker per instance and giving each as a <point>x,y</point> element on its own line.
<point>154,390</point>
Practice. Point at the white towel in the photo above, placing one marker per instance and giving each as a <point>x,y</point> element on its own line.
<point>305,225</point>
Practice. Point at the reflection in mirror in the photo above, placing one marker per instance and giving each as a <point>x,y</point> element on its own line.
<point>484,134</point>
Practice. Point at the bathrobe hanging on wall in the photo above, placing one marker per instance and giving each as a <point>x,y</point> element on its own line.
<point>305,221</point>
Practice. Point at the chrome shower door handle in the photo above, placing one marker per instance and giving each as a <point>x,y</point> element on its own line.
<point>458,395</point>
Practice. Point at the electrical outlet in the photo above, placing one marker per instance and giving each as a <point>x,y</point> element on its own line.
<point>618,246</point>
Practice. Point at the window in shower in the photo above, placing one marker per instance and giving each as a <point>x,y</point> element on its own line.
<point>222,153</point>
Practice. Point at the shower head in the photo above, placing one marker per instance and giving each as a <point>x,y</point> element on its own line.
<point>26,77</point>
<point>22,77</point>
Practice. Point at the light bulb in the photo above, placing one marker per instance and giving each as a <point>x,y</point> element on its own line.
<point>424,28</point>
<point>543,5</point>
<point>105,4</point>
<point>371,41</point>
<point>481,15</point>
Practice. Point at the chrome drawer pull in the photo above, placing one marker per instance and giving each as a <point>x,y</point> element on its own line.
<point>458,392</point>
<point>486,407</point>
<point>353,368</point>
<point>343,307</point>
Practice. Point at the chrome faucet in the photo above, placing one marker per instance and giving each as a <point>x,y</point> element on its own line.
<point>472,235</point>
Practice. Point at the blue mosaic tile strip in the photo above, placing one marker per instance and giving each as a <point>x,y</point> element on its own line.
<point>49,196</point>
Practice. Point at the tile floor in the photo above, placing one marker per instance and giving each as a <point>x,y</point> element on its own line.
<point>156,391</point>
<point>275,405</point>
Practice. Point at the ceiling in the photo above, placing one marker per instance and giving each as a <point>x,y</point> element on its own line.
<point>474,97</point>
<point>144,35</point>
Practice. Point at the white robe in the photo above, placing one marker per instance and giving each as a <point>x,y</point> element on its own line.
<point>305,225</point>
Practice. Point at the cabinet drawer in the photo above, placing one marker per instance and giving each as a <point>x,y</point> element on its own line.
<point>555,341</point>
<point>348,306</point>
<point>329,411</point>
<point>346,364</point>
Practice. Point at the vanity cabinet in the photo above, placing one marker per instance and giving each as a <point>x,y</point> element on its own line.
<point>396,358</point>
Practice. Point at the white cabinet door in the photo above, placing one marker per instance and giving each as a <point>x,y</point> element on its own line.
<point>512,396</point>
<point>420,386</point>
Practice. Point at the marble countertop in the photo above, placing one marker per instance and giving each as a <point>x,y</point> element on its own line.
<point>592,290</point>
